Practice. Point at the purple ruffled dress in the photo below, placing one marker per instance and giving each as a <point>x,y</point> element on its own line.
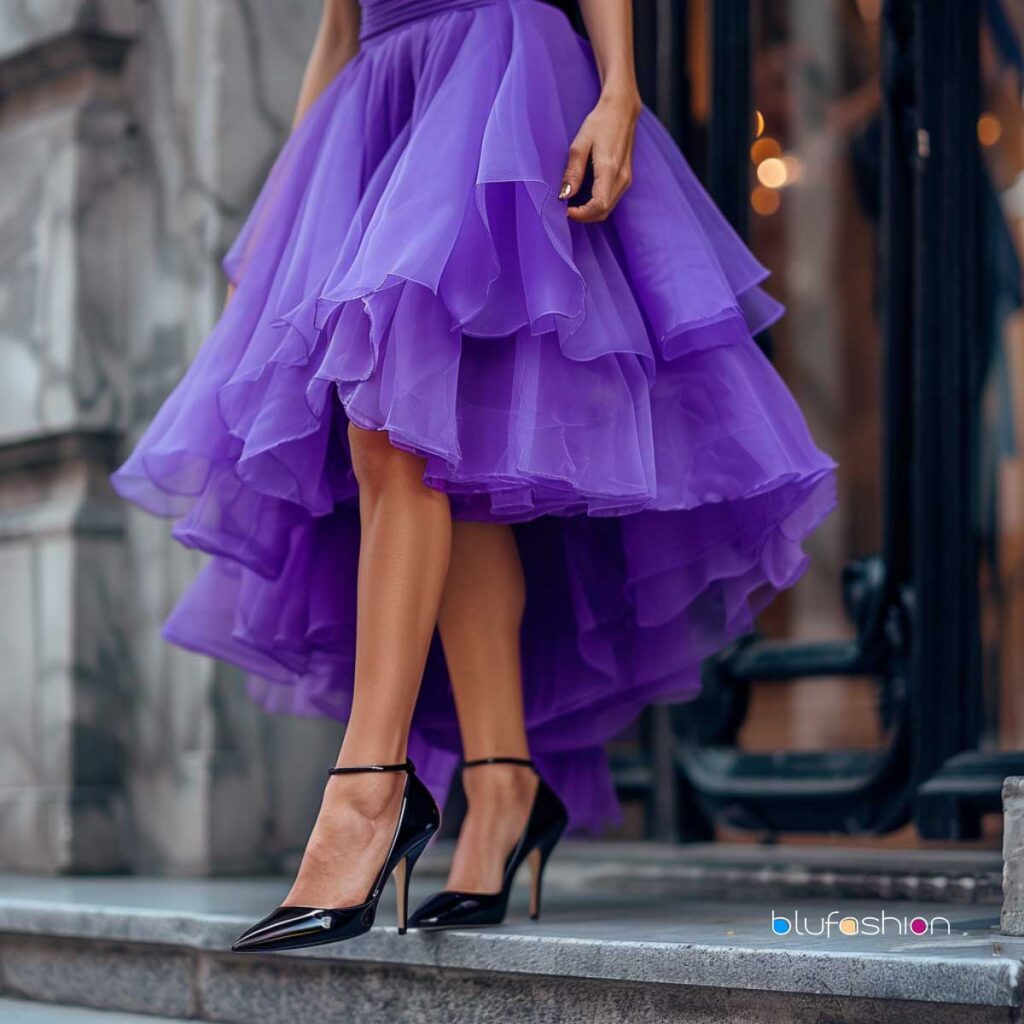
<point>409,267</point>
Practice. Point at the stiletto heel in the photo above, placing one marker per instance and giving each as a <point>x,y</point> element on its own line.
<point>547,821</point>
<point>536,873</point>
<point>297,927</point>
<point>402,894</point>
<point>403,875</point>
<point>538,861</point>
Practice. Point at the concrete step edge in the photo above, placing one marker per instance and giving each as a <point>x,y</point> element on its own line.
<point>951,975</point>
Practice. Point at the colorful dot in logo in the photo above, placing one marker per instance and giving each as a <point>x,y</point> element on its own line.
<point>780,925</point>
<point>849,926</point>
<point>918,925</point>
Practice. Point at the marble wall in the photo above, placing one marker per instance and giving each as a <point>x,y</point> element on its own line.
<point>133,136</point>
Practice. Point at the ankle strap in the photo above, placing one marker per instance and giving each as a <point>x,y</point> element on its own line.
<point>524,761</point>
<point>405,766</point>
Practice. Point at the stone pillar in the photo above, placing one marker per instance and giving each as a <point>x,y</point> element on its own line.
<point>63,670</point>
<point>133,136</point>
<point>63,736</point>
<point>1012,918</point>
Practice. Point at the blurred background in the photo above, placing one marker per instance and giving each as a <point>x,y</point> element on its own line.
<point>873,153</point>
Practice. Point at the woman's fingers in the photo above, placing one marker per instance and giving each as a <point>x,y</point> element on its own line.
<point>606,138</point>
<point>604,194</point>
<point>575,169</point>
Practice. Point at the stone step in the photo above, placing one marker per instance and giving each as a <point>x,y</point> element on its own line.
<point>159,947</point>
<point>18,1011</point>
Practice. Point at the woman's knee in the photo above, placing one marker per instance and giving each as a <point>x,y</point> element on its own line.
<point>377,463</point>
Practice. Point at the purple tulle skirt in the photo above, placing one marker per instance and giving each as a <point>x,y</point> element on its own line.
<point>409,268</point>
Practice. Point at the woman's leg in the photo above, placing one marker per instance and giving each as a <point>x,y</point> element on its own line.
<point>403,560</point>
<point>480,618</point>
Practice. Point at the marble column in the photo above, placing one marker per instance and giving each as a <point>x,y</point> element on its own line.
<point>133,136</point>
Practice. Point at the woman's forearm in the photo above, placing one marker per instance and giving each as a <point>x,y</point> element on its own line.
<point>337,42</point>
<point>610,27</point>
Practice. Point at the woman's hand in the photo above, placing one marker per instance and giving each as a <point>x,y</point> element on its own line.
<point>605,139</point>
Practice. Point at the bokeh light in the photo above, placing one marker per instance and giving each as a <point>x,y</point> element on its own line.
<point>772,172</point>
<point>765,149</point>
<point>765,201</point>
<point>990,129</point>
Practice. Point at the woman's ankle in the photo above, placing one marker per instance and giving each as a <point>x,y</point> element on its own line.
<point>371,796</point>
<point>499,785</point>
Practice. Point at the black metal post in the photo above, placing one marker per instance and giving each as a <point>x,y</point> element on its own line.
<point>945,297</point>
<point>645,46</point>
<point>730,134</point>
<point>896,265</point>
<point>948,228</point>
<point>671,84</point>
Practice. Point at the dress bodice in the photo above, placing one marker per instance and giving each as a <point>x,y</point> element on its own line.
<point>383,15</point>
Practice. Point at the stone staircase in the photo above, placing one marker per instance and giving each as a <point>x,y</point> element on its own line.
<point>637,934</point>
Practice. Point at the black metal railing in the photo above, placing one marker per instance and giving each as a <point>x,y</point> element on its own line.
<point>914,605</point>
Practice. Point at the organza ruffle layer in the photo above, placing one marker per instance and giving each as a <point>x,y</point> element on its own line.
<point>409,268</point>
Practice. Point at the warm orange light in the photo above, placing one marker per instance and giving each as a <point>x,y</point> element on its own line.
<point>765,201</point>
<point>870,10</point>
<point>765,149</point>
<point>758,124</point>
<point>772,172</point>
<point>990,129</point>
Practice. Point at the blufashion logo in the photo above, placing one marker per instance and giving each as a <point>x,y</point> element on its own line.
<point>847,924</point>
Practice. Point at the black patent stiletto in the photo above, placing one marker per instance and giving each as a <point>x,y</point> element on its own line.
<point>299,927</point>
<point>547,821</point>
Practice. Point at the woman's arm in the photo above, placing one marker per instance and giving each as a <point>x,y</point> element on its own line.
<point>606,136</point>
<point>337,42</point>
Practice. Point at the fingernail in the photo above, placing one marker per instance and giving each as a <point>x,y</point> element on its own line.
<point>565,190</point>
